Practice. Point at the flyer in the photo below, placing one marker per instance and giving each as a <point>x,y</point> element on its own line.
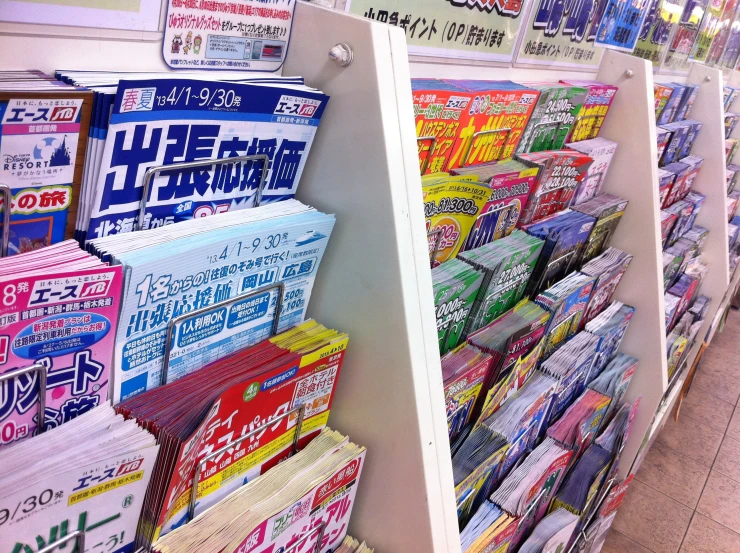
<point>558,37</point>
<point>686,35</point>
<point>662,18</point>
<point>620,26</point>
<point>233,35</point>
<point>484,30</point>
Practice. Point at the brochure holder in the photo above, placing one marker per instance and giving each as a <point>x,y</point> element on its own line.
<point>421,140</point>
<point>279,286</point>
<point>41,370</point>
<point>506,132</point>
<point>7,197</point>
<point>300,411</point>
<point>78,536</point>
<point>187,165</point>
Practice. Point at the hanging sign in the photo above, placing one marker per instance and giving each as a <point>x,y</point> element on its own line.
<point>237,35</point>
<point>484,30</point>
<point>561,35</point>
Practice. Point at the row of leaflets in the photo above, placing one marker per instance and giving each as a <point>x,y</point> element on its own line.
<point>85,154</point>
<point>682,238</point>
<point>548,438</point>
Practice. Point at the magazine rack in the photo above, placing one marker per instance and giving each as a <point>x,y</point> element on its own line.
<point>375,282</point>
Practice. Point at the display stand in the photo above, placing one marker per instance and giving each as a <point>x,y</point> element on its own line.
<point>375,281</point>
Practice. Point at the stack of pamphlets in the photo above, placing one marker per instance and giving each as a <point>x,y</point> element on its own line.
<point>284,506</point>
<point>594,109</point>
<point>583,481</point>
<point>662,93</point>
<point>730,94</point>
<point>699,308</point>
<point>610,327</point>
<point>566,302</point>
<point>499,441</point>
<point>456,287</point>
<point>683,211</point>
<point>452,206</point>
<point>607,210</point>
<point>615,378</point>
<point>527,490</point>
<point>663,137</point>
<point>207,410</point>
<point>59,312</point>
<point>697,200</point>
<point>613,436</point>
<point>490,529</point>
<point>608,270</point>
<point>578,426</point>
<point>698,235</point>
<point>464,371</point>
<point>601,151</point>
<point>665,185</point>
<point>511,184</point>
<point>731,120</point>
<point>501,106</point>
<point>507,266</point>
<point>351,545</point>
<point>561,172</point>
<point>554,115</point>
<point>671,268</point>
<point>552,534</point>
<point>44,126</point>
<point>732,201</point>
<point>514,334</point>
<point>571,366</point>
<point>454,112</point>
<point>597,532</point>
<point>685,289</point>
<point>440,110</point>
<point>731,147</point>
<point>667,222</point>
<point>565,235</point>
<point>163,121</point>
<point>733,172</point>
<point>236,263</point>
<point>92,476</point>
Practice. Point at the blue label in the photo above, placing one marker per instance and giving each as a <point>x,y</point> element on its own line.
<point>60,335</point>
<point>249,310</point>
<point>279,379</point>
<point>201,327</point>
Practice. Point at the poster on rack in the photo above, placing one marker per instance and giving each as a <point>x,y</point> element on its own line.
<point>708,29</point>
<point>662,18</point>
<point>558,37</point>
<point>676,60</point>
<point>621,23</point>
<point>234,35</point>
<point>484,30</point>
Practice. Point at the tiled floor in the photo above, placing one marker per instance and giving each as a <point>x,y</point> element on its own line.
<point>686,496</point>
